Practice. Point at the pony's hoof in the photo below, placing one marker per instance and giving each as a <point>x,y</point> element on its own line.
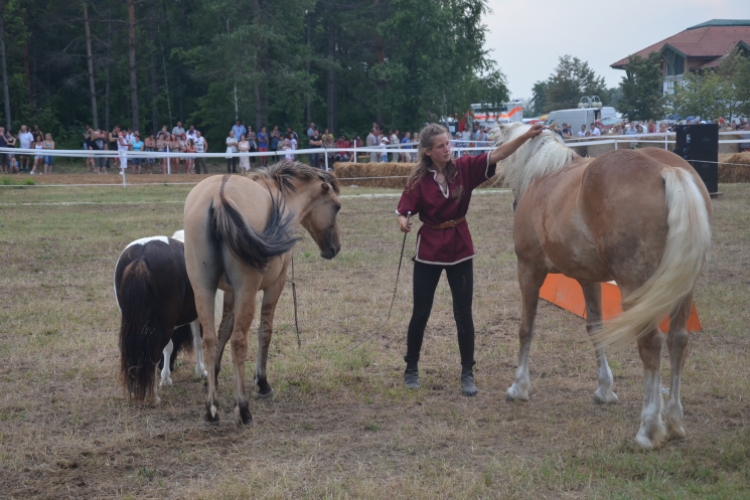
<point>605,398</point>
<point>165,382</point>
<point>264,395</point>
<point>650,440</point>
<point>201,373</point>
<point>514,393</point>
<point>264,389</point>
<point>212,413</point>
<point>676,430</point>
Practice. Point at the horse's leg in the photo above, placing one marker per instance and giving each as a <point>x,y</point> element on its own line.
<point>530,278</point>
<point>592,293</point>
<point>166,374</point>
<point>225,329</point>
<point>652,431</point>
<point>677,341</point>
<point>155,400</point>
<point>244,306</point>
<point>265,329</point>
<point>200,368</point>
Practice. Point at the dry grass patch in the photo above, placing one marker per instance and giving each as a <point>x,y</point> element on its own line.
<point>341,424</point>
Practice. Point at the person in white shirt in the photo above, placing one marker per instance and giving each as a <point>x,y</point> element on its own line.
<point>25,138</point>
<point>231,148</point>
<point>595,132</point>
<point>178,130</point>
<point>191,133</point>
<point>201,146</point>
<point>582,132</point>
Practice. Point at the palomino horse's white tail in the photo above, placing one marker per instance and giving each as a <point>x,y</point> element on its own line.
<point>688,243</point>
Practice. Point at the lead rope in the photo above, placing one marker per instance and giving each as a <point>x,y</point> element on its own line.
<point>294,297</point>
<point>395,288</point>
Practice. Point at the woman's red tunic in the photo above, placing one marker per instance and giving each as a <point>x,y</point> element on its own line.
<point>451,245</point>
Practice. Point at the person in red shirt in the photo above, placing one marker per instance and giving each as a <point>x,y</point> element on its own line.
<point>439,191</point>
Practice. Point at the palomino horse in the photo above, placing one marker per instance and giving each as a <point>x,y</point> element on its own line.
<point>239,233</point>
<point>639,217</point>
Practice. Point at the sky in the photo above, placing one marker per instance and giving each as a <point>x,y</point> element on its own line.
<point>526,37</point>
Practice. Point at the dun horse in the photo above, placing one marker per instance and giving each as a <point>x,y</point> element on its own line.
<point>639,217</point>
<point>239,233</point>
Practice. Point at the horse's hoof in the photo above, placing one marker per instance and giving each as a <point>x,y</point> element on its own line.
<point>212,413</point>
<point>514,393</point>
<point>676,430</point>
<point>165,382</point>
<point>244,411</point>
<point>605,398</point>
<point>653,441</point>
<point>264,395</point>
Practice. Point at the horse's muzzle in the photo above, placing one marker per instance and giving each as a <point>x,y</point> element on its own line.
<point>330,252</point>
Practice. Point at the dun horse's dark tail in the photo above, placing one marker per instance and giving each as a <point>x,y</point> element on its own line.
<point>253,248</point>
<point>139,331</point>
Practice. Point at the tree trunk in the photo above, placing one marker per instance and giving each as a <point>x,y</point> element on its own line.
<point>90,60</point>
<point>6,91</point>
<point>308,104</point>
<point>135,123</point>
<point>256,86</point>
<point>108,73</point>
<point>27,74</point>
<point>331,84</point>
<point>381,60</point>
<point>154,75</point>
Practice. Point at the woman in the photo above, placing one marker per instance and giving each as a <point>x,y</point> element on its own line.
<point>137,145</point>
<point>439,190</point>
<point>174,146</point>
<point>161,146</point>
<point>49,160</point>
<point>243,147</point>
<point>263,145</point>
<point>123,146</point>
<point>182,140</point>
<point>316,142</point>
<point>251,140</point>
<point>38,144</point>
<point>189,160</point>
<point>150,146</point>
<point>231,149</point>
<point>275,138</point>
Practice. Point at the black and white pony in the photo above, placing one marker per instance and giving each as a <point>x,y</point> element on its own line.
<point>158,314</point>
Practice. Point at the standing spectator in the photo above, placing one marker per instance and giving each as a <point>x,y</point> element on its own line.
<point>150,146</point>
<point>99,144</point>
<point>13,165</point>
<point>404,157</point>
<point>191,133</point>
<point>6,141</point>
<point>174,147</point>
<point>190,156</point>
<point>163,133</point>
<point>275,138</point>
<point>383,145</point>
<point>631,130</point>
<point>263,145</point>
<point>343,143</point>
<point>582,132</point>
<point>38,144</point>
<point>291,133</point>
<point>651,128</point>
<point>137,146</point>
<point>393,139</point>
<point>243,147</point>
<point>744,146</point>
<point>287,148</point>
<point>49,160</point>
<point>25,138</point>
<point>328,136</point>
<point>231,149</point>
<point>183,140</point>
<point>250,136</point>
<point>293,142</point>
<point>178,130</point>
<point>328,146</point>
<point>239,129</point>
<point>316,142</point>
<point>87,136</point>
<point>112,145</point>
<point>663,128</point>
<point>372,142</point>
<point>201,146</point>
<point>123,146</point>
<point>35,131</point>
<point>311,131</point>
<point>567,133</point>
<point>162,144</point>
<point>595,132</point>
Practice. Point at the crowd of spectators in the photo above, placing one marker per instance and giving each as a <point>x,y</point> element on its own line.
<point>38,163</point>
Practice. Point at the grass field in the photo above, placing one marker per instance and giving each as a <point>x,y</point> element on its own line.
<point>341,424</point>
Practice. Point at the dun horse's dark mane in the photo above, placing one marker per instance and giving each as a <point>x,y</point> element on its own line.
<point>285,172</point>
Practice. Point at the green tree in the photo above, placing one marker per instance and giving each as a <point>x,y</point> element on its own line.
<point>571,79</point>
<point>641,87</point>
<point>539,98</point>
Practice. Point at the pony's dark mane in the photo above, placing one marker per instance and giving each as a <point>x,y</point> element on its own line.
<point>285,172</point>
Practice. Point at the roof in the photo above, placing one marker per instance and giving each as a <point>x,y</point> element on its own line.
<point>708,40</point>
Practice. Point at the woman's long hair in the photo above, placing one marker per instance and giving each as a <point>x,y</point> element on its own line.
<point>424,162</point>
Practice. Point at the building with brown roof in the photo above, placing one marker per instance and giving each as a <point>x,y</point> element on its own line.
<point>700,47</point>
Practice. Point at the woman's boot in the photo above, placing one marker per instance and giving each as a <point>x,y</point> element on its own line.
<point>467,380</point>
<point>411,376</point>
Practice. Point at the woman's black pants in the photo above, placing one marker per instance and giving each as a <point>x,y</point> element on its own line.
<point>461,282</point>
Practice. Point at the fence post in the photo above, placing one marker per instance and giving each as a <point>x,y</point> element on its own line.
<point>169,165</point>
<point>355,150</point>
<point>615,144</point>
<point>325,152</point>
<point>123,167</point>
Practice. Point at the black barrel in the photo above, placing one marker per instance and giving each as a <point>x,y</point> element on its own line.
<point>699,145</point>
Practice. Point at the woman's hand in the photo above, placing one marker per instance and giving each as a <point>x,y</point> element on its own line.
<point>534,131</point>
<point>404,223</point>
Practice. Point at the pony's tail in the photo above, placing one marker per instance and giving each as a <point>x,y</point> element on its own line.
<point>139,331</point>
<point>688,244</point>
<point>253,248</point>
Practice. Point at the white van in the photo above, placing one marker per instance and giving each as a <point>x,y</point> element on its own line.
<point>577,117</point>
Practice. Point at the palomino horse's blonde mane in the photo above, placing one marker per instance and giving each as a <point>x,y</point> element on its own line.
<point>540,156</point>
<point>285,172</point>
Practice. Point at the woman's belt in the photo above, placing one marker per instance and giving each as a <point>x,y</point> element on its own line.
<point>448,224</point>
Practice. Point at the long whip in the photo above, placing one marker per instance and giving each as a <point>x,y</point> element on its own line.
<point>395,288</point>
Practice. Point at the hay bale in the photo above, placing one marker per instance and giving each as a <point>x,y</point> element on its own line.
<point>734,167</point>
<point>385,175</point>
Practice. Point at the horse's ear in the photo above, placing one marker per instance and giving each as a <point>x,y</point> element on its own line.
<point>326,187</point>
